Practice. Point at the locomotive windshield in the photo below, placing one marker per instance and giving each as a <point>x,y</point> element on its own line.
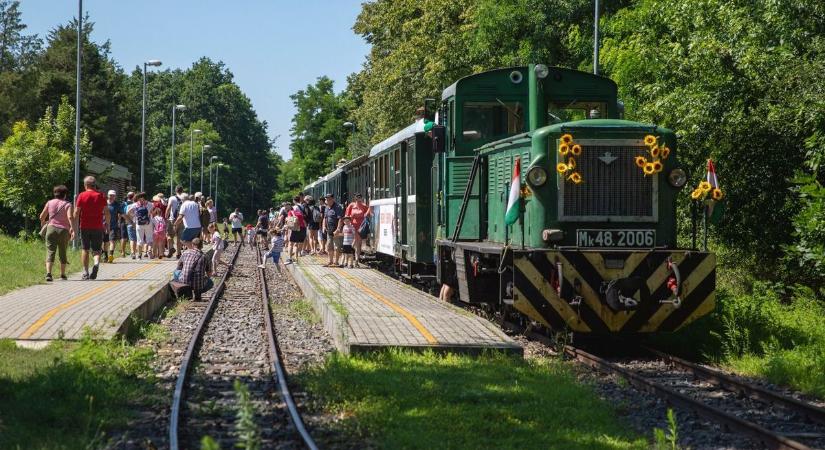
<point>558,112</point>
<point>486,121</point>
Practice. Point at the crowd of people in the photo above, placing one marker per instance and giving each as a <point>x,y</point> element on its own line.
<point>178,226</point>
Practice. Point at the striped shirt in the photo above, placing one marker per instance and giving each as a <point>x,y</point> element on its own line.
<point>349,234</point>
<point>277,244</point>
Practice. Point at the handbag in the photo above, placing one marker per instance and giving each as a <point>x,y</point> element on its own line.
<point>364,229</point>
<point>45,227</point>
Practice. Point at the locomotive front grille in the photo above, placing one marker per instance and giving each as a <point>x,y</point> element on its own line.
<point>613,188</point>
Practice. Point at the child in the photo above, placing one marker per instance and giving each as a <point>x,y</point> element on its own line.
<point>225,229</point>
<point>159,233</point>
<point>250,234</point>
<point>275,248</point>
<point>217,248</point>
<point>348,231</point>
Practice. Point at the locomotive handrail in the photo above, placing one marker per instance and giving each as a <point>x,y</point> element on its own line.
<point>467,192</point>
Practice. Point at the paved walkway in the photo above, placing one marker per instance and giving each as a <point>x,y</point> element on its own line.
<point>364,309</point>
<point>63,308</point>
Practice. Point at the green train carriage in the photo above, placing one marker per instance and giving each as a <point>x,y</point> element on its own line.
<point>595,257</point>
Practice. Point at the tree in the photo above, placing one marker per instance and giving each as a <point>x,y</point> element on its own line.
<point>34,160</point>
<point>17,77</point>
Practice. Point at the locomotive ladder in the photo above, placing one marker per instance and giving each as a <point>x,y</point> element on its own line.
<point>467,192</point>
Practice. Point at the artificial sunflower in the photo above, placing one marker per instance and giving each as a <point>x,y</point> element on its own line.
<point>650,140</point>
<point>562,168</point>
<point>657,166</point>
<point>649,169</point>
<point>697,194</point>
<point>717,194</point>
<point>575,178</point>
<point>576,149</point>
<point>567,138</point>
<point>564,149</point>
<point>705,187</point>
<point>665,152</point>
<point>655,151</point>
<point>641,161</point>
<point>571,163</point>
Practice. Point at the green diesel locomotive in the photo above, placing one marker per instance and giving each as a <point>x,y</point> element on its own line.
<point>591,247</point>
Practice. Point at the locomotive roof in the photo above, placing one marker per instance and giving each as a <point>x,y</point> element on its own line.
<point>450,90</point>
<point>404,133</point>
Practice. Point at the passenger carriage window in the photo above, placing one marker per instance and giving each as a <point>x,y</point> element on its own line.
<point>483,121</point>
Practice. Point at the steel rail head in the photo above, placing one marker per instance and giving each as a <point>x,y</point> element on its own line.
<point>278,364</point>
<point>726,381</point>
<point>183,372</point>
<point>767,437</point>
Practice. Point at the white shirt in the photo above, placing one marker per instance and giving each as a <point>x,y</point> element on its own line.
<point>191,214</point>
<point>216,239</point>
<point>237,219</point>
<point>174,203</point>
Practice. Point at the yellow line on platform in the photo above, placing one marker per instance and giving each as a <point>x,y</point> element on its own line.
<point>400,310</point>
<point>81,298</point>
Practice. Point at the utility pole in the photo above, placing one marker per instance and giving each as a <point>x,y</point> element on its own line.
<point>596,40</point>
<point>77,106</point>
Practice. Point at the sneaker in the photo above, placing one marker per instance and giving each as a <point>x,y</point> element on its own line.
<point>93,275</point>
<point>261,266</point>
<point>288,261</point>
<point>140,255</point>
<point>85,276</point>
<point>64,277</point>
<point>111,258</point>
<point>49,277</point>
<point>134,256</point>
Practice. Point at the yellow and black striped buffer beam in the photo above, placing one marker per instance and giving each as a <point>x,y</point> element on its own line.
<point>581,305</point>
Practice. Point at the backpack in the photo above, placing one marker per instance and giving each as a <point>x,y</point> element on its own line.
<point>176,210</point>
<point>160,226</point>
<point>316,215</point>
<point>142,214</point>
<point>292,223</point>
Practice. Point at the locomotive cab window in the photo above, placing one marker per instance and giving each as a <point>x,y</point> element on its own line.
<point>483,121</point>
<point>568,111</point>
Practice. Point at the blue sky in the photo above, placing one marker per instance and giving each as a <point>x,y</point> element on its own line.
<point>273,48</point>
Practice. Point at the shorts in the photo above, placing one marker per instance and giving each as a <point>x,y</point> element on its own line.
<point>114,234</point>
<point>144,234</point>
<point>314,226</point>
<point>170,228</point>
<point>190,233</point>
<point>124,232</point>
<point>105,237</point>
<point>347,249</point>
<point>91,240</point>
<point>322,235</point>
<point>131,232</point>
<point>276,257</point>
<point>298,236</point>
<point>236,230</point>
<point>261,232</point>
<point>335,243</point>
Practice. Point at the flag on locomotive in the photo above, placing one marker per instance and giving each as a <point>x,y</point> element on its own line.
<point>709,186</point>
<point>511,216</point>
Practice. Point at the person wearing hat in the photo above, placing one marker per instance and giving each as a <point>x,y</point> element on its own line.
<point>127,228</point>
<point>332,218</point>
<point>114,209</point>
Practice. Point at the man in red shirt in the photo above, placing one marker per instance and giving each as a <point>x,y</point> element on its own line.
<point>90,211</point>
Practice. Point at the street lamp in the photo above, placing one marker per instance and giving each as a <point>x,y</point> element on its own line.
<point>153,63</point>
<point>211,161</point>
<point>216,185</point>
<point>191,148</point>
<point>350,125</point>
<point>331,142</point>
<point>204,148</point>
<point>175,108</point>
<point>77,106</point>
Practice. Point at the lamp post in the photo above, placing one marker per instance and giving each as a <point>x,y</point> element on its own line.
<point>154,63</point>
<point>331,142</point>
<point>216,185</point>
<point>191,149</point>
<point>211,161</point>
<point>175,108</point>
<point>77,106</point>
<point>350,125</point>
<point>204,148</point>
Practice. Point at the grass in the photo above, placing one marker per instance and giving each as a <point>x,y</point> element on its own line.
<point>423,400</point>
<point>22,263</point>
<point>66,395</point>
<point>303,308</point>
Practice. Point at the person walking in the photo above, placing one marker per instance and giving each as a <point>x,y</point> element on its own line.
<point>57,218</point>
<point>114,208</point>
<point>314,219</point>
<point>262,227</point>
<point>189,216</point>
<point>173,231</point>
<point>332,217</point>
<point>127,229</point>
<point>91,213</point>
<point>140,213</point>
<point>358,212</point>
<point>276,247</point>
<point>296,223</point>
<point>158,233</point>
<point>213,212</point>
<point>194,268</point>
<point>322,234</point>
<point>218,245</point>
<point>237,225</point>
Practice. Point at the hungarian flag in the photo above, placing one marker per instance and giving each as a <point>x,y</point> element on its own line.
<point>511,216</point>
<point>712,180</point>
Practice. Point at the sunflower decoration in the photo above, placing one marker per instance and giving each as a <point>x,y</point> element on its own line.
<point>717,194</point>
<point>697,194</point>
<point>705,187</point>
<point>665,152</point>
<point>649,169</point>
<point>657,153</point>
<point>641,161</point>
<point>708,187</point>
<point>654,151</point>
<point>569,150</point>
<point>525,191</point>
<point>650,140</point>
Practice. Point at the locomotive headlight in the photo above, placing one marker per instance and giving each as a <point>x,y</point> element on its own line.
<point>542,71</point>
<point>537,176</point>
<point>677,178</point>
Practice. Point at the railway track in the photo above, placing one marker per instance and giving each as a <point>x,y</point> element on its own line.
<point>775,420</point>
<point>235,340</point>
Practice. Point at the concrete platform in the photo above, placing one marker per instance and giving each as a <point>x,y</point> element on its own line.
<point>63,308</point>
<point>365,310</point>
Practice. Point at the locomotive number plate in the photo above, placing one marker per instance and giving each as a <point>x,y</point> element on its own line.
<point>615,238</point>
